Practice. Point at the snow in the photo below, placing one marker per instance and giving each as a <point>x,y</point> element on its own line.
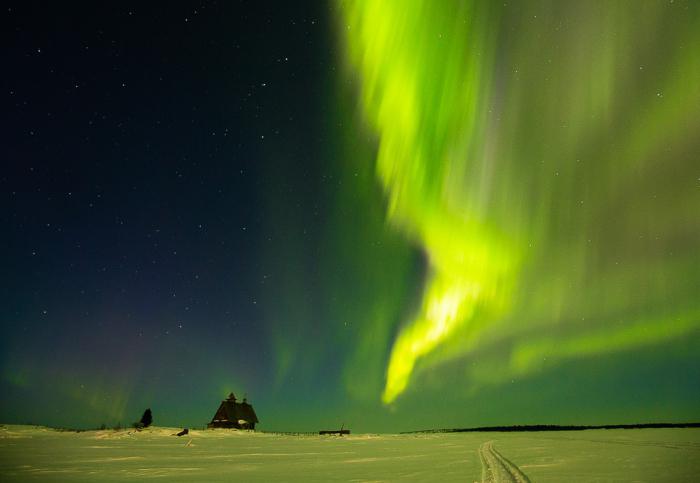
<point>37,453</point>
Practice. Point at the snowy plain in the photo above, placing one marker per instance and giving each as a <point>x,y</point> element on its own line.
<point>29,453</point>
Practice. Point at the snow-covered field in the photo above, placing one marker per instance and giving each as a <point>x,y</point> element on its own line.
<point>654,455</point>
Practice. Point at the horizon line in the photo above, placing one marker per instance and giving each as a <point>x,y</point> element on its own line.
<point>555,427</point>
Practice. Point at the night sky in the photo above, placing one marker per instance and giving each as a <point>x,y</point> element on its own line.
<point>393,215</point>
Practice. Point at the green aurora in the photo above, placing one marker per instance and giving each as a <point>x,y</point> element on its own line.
<point>462,213</point>
<point>543,157</point>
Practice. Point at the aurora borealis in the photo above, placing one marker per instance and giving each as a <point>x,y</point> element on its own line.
<point>497,162</point>
<point>395,215</point>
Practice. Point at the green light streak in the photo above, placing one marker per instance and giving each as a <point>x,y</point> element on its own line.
<point>423,96</point>
<point>526,151</point>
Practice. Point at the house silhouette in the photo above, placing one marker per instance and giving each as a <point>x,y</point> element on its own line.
<point>233,414</point>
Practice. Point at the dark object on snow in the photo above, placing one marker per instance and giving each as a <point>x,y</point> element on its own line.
<point>183,432</point>
<point>232,414</point>
<point>339,432</point>
<point>146,419</point>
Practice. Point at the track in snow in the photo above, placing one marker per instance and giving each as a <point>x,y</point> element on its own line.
<point>497,469</point>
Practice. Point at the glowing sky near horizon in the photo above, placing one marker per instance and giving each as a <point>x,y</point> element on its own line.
<point>549,177</point>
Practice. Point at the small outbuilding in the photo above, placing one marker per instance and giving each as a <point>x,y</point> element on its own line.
<point>234,414</point>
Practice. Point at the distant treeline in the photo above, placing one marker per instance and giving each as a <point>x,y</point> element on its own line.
<point>555,427</point>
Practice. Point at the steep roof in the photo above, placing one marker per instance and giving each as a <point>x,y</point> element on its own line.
<point>245,411</point>
<point>232,411</point>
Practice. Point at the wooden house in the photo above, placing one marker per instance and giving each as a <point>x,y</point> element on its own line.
<point>234,414</point>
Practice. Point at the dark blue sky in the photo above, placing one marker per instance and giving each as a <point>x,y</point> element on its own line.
<point>153,155</point>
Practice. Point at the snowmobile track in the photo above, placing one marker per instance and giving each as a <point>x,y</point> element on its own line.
<point>495,468</point>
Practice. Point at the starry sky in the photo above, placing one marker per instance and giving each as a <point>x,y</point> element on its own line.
<point>392,215</point>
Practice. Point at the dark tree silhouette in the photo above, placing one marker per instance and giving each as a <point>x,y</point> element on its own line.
<point>147,418</point>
